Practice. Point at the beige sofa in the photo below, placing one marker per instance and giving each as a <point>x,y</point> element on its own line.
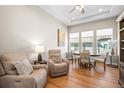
<point>60,68</point>
<point>9,77</point>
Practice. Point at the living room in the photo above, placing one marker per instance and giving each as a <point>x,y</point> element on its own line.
<point>34,38</point>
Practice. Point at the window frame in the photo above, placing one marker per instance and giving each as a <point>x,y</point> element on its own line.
<point>91,36</point>
<point>74,38</point>
<point>95,48</point>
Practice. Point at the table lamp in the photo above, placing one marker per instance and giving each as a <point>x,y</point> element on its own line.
<point>39,49</point>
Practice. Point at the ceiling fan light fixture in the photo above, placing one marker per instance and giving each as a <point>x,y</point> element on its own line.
<point>82,6</point>
<point>80,9</point>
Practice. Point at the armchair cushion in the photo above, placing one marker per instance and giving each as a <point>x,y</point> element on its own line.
<point>24,67</point>
<point>61,67</point>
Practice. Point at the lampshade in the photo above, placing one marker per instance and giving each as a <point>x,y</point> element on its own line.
<point>39,49</point>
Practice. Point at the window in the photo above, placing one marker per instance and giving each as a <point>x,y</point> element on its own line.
<point>97,41</point>
<point>103,38</point>
<point>87,41</point>
<point>74,42</point>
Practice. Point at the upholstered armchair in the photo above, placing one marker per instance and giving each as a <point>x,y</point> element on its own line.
<point>57,65</point>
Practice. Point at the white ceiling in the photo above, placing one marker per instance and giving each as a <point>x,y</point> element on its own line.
<point>61,12</point>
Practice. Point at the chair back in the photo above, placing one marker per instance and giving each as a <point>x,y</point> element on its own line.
<point>54,52</point>
<point>106,57</point>
<point>69,55</point>
<point>85,56</point>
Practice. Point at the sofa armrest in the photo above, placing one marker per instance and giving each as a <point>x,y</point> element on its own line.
<point>41,66</point>
<point>17,81</point>
<point>25,81</point>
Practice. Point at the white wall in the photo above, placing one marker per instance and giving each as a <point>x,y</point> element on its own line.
<point>95,25</point>
<point>23,27</point>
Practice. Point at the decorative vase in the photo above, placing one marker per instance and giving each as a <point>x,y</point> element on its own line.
<point>39,57</point>
<point>112,52</point>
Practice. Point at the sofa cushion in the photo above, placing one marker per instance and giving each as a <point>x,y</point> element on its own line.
<point>23,67</point>
<point>2,72</point>
<point>40,77</point>
<point>8,59</point>
<point>56,58</point>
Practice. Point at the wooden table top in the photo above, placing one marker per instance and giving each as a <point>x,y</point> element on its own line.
<point>90,54</point>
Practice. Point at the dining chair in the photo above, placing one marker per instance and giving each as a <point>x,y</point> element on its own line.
<point>70,56</point>
<point>85,59</point>
<point>101,60</point>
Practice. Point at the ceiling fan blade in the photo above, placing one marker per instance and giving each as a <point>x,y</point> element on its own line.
<point>72,10</point>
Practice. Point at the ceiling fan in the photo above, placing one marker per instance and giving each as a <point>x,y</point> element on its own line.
<point>79,8</point>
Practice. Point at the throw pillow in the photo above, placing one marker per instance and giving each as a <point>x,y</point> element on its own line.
<point>24,67</point>
<point>56,58</point>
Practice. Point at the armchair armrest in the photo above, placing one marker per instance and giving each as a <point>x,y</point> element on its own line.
<point>67,62</point>
<point>51,63</point>
<point>51,67</point>
<point>41,66</point>
<point>64,60</point>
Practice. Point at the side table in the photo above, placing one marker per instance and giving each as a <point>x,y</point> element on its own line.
<point>40,62</point>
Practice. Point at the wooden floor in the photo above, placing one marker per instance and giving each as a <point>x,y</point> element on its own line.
<point>83,78</point>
